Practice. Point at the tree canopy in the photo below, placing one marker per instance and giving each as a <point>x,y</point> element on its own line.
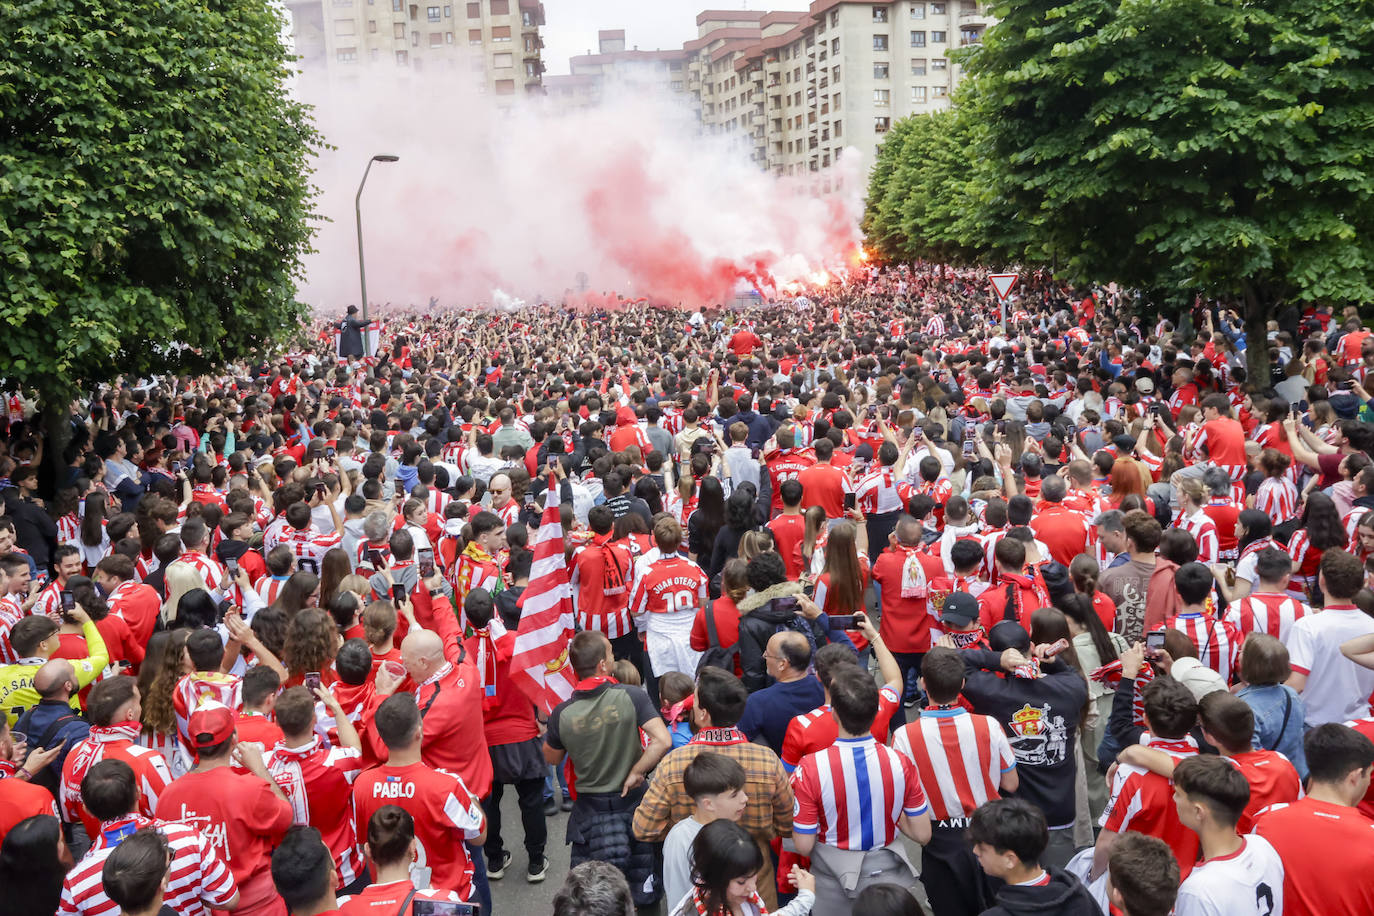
<point>1213,146</point>
<point>155,192</point>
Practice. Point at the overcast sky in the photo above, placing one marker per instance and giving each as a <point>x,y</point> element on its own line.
<point>649,24</point>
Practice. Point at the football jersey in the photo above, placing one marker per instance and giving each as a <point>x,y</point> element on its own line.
<point>852,794</point>
<point>197,876</point>
<point>316,779</point>
<point>1328,856</point>
<point>817,729</point>
<point>1273,781</point>
<point>113,742</point>
<point>959,757</point>
<point>1248,882</point>
<point>445,815</point>
<point>238,814</point>
<point>1267,612</point>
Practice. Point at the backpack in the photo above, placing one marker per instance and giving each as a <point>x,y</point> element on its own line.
<point>48,777</point>
<point>716,655</point>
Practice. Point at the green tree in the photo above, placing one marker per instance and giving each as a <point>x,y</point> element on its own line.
<point>1211,145</point>
<point>155,197</point>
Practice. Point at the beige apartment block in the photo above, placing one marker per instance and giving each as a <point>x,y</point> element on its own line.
<point>496,43</point>
<point>840,77</point>
<point>614,68</point>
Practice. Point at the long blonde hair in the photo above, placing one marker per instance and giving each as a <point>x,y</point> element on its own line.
<point>180,578</point>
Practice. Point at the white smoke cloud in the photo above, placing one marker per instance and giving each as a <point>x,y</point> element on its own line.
<point>629,194</point>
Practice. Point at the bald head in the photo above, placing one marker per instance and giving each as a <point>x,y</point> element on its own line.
<point>791,652</point>
<point>908,531</point>
<point>422,652</point>
<point>55,680</point>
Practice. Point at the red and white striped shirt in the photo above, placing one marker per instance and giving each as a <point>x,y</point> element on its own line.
<point>817,730</point>
<point>437,501</point>
<point>879,491</point>
<point>1278,498</point>
<point>935,327</point>
<point>215,578</point>
<point>509,513</point>
<point>960,759</point>
<point>112,742</point>
<point>1267,612</point>
<point>852,794</point>
<point>1204,531</point>
<point>309,544</point>
<point>197,880</point>
<point>317,780</point>
<point>1218,641</point>
<point>195,690</point>
<point>11,612</point>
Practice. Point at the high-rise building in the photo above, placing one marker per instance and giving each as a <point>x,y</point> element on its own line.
<point>612,68</point>
<point>497,42</point>
<point>841,75</point>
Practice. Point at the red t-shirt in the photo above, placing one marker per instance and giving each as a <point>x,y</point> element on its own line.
<point>139,605</point>
<point>1062,530</point>
<point>726,616</point>
<point>905,624</point>
<point>20,800</point>
<point>824,485</point>
<point>241,818</point>
<point>784,465</point>
<point>789,531</point>
<point>1145,804</point>
<point>445,814</point>
<point>256,728</point>
<point>454,730</point>
<point>1327,857</point>
<point>387,899</point>
<point>1273,781</point>
<point>743,342</point>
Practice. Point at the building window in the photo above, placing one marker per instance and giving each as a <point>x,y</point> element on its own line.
<point>881,125</point>
<point>918,95</point>
<point>374,54</point>
<point>436,39</point>
<point>838,130</point>
<point>415,39</point>
<point>882,97</point>
<point>880,14</point>
<point>346,55</point>
<point>918,11</point>
<point>448,12</point>
<point>398,6</point>
<point>501,61</point>
<point>399,31</point>
<point>372,25</point>
<point>505,87</point>
<point>500,33</point>
<point>531,69</point>
<point>527,19</point>
<point>918,66</point>
<point>918,39</point>
<point>448,38</point>
<point>939,63</point>
<point>402,57</point>
<point>529,42</point>
<point>432,13</point>
<point>834,18</point>
<point>880,42</point>
<point>937,9</point>
<point>500,7</point>
<point>834,46</point>
<point>939,92</point>
<point>880,71</point>
<point>937,38</point>
<point>474,36</point>
<point>344,27</point>
<point>474,11</point>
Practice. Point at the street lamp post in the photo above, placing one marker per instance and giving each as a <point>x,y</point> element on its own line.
<point>358,212</point>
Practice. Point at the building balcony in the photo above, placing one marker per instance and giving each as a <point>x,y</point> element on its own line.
<point>969,19</point>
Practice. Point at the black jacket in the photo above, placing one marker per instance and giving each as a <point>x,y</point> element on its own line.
<point>761,614</point>
<point>1065,895</point>
<point>34,529</point>
<point>1040,717</point>
<point>351,337</point>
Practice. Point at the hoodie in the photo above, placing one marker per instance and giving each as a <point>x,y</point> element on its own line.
<point>1064,895</point>
<point>761,614</point>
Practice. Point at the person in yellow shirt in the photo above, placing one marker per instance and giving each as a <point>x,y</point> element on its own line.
<point>34,640</point>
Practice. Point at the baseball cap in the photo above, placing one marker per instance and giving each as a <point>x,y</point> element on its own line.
<point>1144,386</point>
<point>960,609</point>
<point>211,724</point>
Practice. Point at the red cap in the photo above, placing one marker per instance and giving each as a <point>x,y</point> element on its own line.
<point>211,724</point>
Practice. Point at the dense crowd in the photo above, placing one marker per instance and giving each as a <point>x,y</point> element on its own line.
<point>875,600</point>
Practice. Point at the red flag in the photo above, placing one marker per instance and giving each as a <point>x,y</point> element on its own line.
<point>539,662</point>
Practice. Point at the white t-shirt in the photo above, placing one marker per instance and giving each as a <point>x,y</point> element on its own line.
<point>677,858</point>
<point>1337,689</point>
<point>1249,882</point>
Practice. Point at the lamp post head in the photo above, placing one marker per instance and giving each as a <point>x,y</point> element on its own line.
<point>381,157</point>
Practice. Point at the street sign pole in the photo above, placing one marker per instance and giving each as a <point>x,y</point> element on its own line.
<point>1001,288</point>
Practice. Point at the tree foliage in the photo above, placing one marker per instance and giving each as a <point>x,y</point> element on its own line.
<point>154,188</point>
<point>1216,146</point>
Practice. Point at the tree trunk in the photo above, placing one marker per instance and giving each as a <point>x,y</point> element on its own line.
<point>57,435</point>
<point>1256,317</point>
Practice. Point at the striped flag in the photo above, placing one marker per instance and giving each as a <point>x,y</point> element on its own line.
<point>539,663</point>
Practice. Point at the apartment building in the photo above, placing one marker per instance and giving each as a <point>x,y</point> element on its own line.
<point>495,42</point>
<point>614,68</point>
<point>837,77</point>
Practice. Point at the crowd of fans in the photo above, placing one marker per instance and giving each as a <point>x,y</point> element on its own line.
<point>878,601</point>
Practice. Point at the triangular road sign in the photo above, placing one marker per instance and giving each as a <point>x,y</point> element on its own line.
<point>1002,284</point>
